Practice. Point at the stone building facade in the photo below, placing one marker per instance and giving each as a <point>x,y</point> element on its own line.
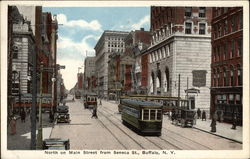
<point>109,42</point>
<point>181,45</point>
<point>227,60</point>
<point>23,48</point>
<point>89,74</point>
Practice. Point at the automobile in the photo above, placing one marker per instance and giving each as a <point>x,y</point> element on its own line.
<point>56,144</point>
<point>62,114</point>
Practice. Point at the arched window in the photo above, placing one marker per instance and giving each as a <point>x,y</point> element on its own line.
<point>231,75</point>
<point>225,76</point>
<point>239,75</point>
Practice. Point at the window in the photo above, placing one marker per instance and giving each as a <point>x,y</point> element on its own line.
<point>215,31</point>
<point>224,76</point>
<point>188,28</point>
<point>219,30</point>
<point>15,52</point>
<point>215,78</point>
<point>214,54</point>
<point>225,27</point>
<point>163,52</point>
<point>231,99</point>
<point>218,77</point>
<point>233,24</point>
<point>188,11</point>
<point>225,52</point>
<point>218,53</point>
<point>238,99</point>
<point>232,49</point>
<point>202,12</point>
<point>202,28</point>
<point>231,76</point>
<point>239,74</point>
<point>145,114</point>
<point>241,21</point>
<point>239,47</point>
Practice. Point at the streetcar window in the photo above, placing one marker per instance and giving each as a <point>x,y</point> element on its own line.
<point>158,114</point>
<point>146,114</point>
<point>152,114</point>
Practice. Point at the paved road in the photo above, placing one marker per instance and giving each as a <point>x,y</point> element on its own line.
<point>108,132</point>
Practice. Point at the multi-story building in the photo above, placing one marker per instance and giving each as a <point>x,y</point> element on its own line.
<point>135,43</point>
<point>110,41</point>
<point>227,54</point>
<point>89,74</point>
<point>23,48</point>
<point>181,45</point>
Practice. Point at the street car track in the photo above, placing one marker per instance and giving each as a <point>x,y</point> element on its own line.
<point>106,116</point>
<point>177,147</point>
<point>187,139</point>
<point>147,138</point>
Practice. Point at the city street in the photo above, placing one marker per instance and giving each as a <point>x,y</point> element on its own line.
<point>108,132</point>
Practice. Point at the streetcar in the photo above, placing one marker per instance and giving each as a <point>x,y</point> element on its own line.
<point>143,116</point>
<point>184,117</point>
<point>90,100</point>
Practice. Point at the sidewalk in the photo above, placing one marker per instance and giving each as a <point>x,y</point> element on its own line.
<point>21,140</point>
<point>222,129</point>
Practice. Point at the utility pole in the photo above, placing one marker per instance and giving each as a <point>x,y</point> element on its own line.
<point>33,107</point>
<point>179,90</point>
<point>19,94</point>
<point>39,145</point>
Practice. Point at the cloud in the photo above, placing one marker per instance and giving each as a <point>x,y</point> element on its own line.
<point>93,25</point>
<point>72,55</point>
<point>144,21</point>
<point>129,25</point>
<point>68,48</point>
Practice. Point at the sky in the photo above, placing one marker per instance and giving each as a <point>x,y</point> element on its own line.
<point>81,27</point>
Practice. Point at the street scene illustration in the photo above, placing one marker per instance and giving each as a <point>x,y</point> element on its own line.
<point>124,78</point>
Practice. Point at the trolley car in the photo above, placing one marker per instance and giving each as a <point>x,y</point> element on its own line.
<point>144,116</point>
<point>90,100</point>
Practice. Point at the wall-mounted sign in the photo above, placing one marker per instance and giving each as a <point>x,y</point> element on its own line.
<point>199,78</point>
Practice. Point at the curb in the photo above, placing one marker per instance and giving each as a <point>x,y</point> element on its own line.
<point>240,142</point>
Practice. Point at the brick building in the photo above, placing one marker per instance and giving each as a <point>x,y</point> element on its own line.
<point>181,44</point>
<point>135,43</point>
<point>226,67</point>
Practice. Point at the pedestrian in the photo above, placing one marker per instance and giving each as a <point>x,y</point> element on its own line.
<point>234,121</point>
<point>13,125</point>
<point>94,113</point>
<point>219,115</point>
<point>23,116</point>
<point>198,113</point>
<point>100,101</point>
<point>203,116</point>
<point>51,116</point>
<point>213,123</point>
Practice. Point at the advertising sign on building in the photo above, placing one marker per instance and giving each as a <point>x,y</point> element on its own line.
<point>199,78</point>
